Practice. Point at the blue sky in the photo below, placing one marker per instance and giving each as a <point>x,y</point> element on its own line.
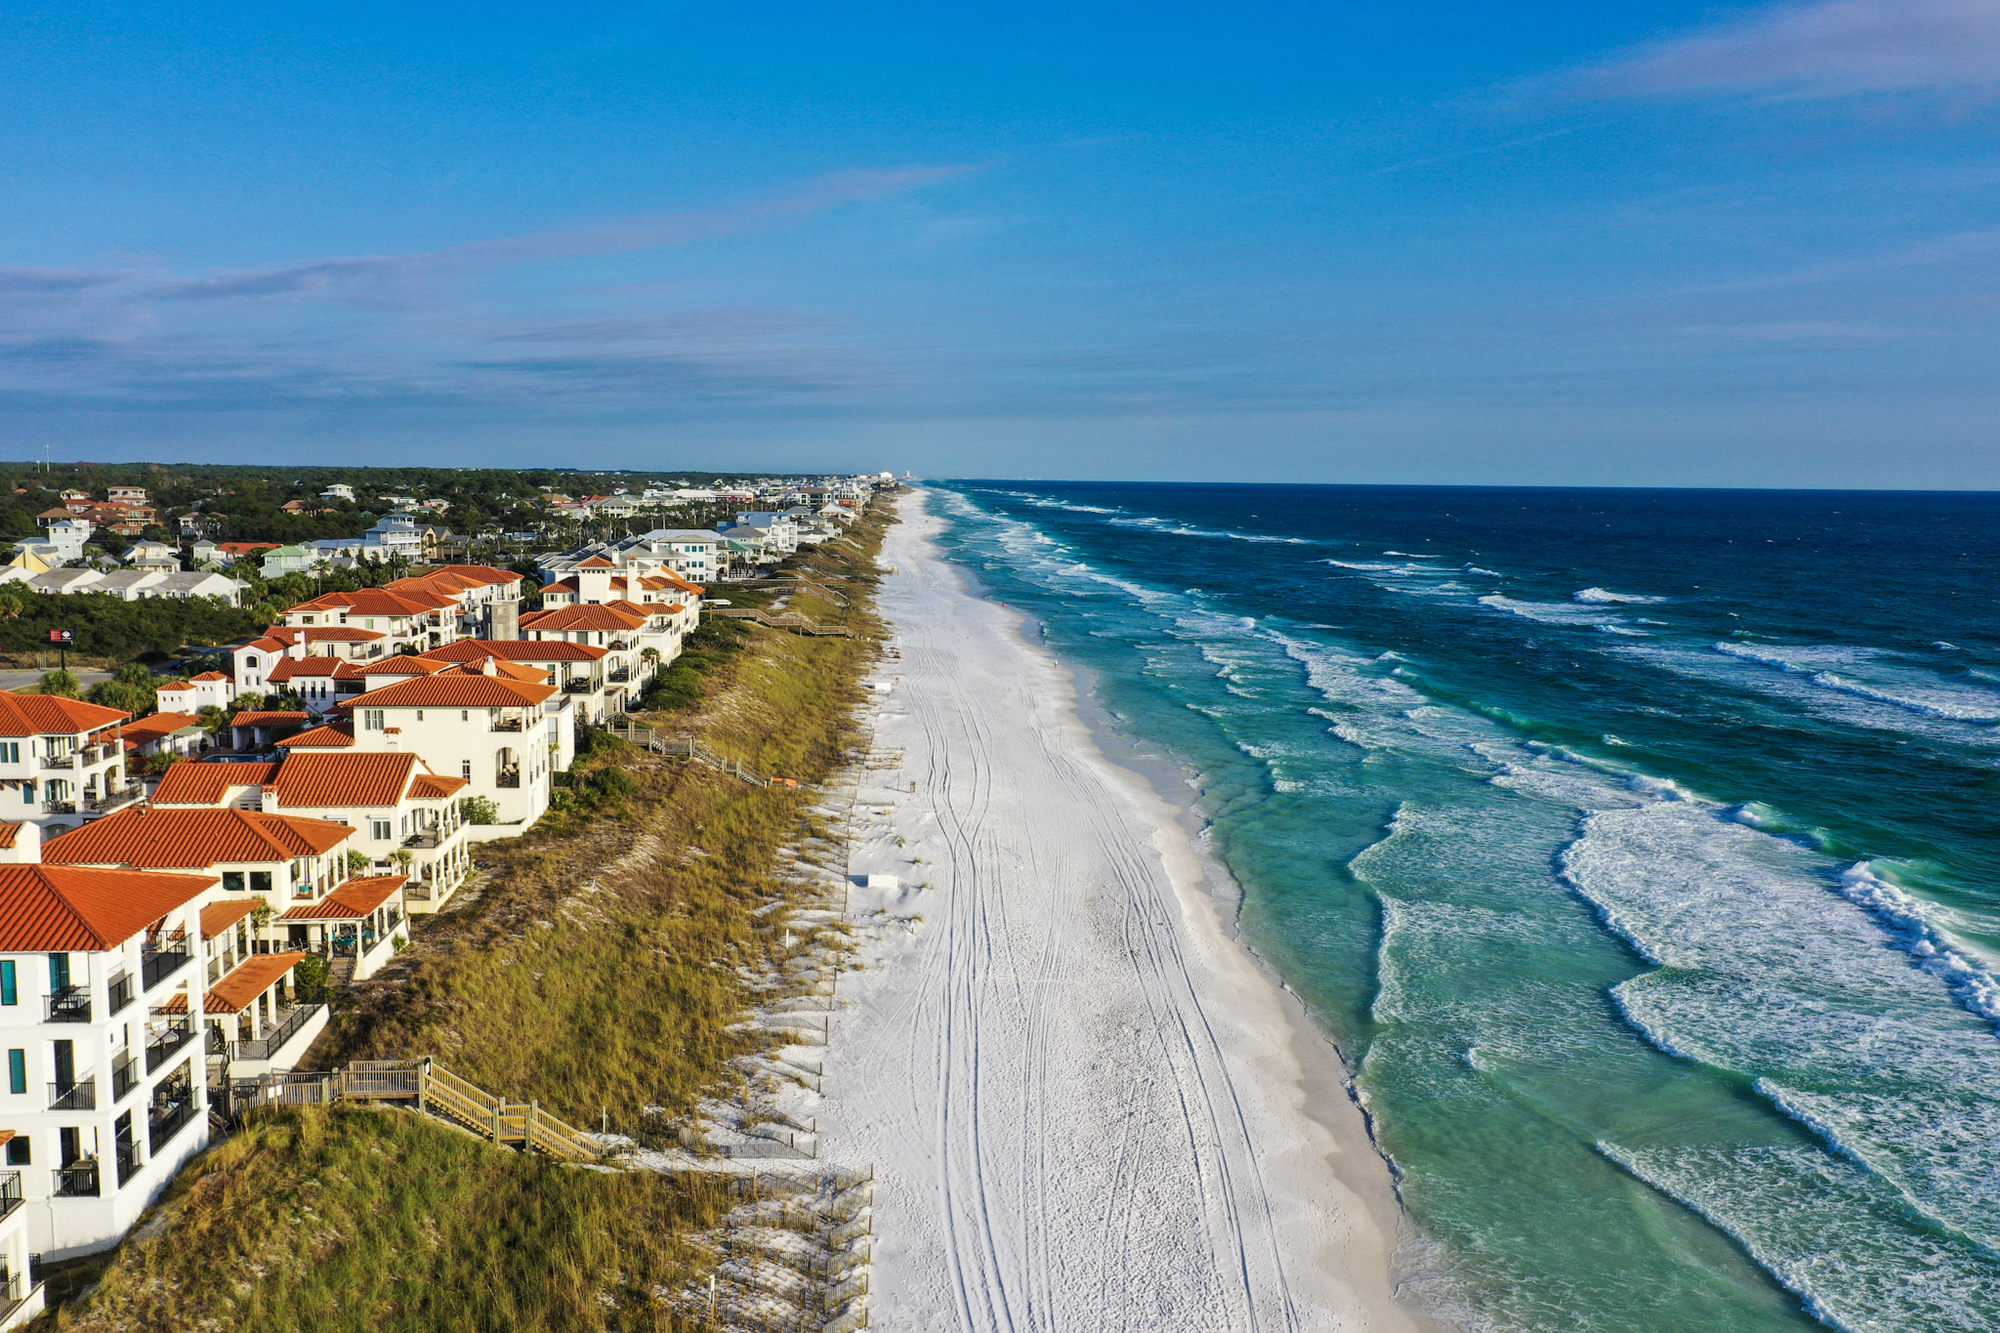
<point>1653,243</point>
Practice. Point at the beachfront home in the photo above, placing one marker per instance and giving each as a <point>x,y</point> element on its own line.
<point>253,662</point>
<point>413,618</point>
<point>153,555</point>
<point>103,1103</point>
<point>282,560</point>
<point>210,689</point>
<point>62,761</point>
<point>177,734</point>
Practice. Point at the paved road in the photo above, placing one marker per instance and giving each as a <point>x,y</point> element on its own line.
<point>21,680</point>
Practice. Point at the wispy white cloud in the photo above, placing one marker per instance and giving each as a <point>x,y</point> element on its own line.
<point>1824,48</point>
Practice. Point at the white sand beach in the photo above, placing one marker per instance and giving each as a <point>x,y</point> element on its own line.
<point>1088,1107</point>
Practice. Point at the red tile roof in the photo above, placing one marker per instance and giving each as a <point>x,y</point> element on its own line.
<point>376,602</point>
<point>292,668</point>
<point>457,689</point>
<point>245,548</point>
<point>402,664</point>
<point>344,778</point>
<point>44,714</point>
<point>211,676</point>
<point>482,574</point>
<point>600,617</point>
<point>157,726</point>
<point>595,562</point>
<point>8,833</point>
<point>516,650</point>
<point>208,783</point>
<point>318,738</point>
<point>220,916</point>
<point>268,717</point>
<point>51,908</point>
<point>251,978</point>
<point>189,837</point>
<point>435,787</point>
<point>351,901</point>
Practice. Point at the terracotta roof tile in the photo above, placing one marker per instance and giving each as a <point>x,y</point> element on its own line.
<point>351,901</point>
<point>318,738</point>
<point>157,726</point>
<point>516,650</point>
<point>8,834</point>
<point>220,916</point>
<point>292,668</point>
<point>454,689</point>
<point>251,978</point>
<point>202,783</point>
<point>211,676</point>
<point>596,617</point>
<point>53,908</point>
<point>185,837</point>
<point>434,787</point>
<point>344,778</point>
<point>44,714</point>
<point>268,717</point>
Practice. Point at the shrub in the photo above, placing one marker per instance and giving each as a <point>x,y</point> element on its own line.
<point>62,684</point>
<point>309,978</point>
<point>480,810</point>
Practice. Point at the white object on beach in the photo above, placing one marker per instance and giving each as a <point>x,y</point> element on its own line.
<point>889,882</point>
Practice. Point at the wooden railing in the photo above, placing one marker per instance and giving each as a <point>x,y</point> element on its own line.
<point>686,747</point>
<point>426,1086</point>
<point>797,624</point>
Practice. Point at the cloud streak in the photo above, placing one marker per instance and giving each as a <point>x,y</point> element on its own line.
<point>1826,48</point>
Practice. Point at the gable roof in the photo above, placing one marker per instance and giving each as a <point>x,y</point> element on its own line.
<point>291,668</point>
<point>516,650</point>
<point>268,717</point>
<point>351,901</point>
<point>157,726</point>
<point>323,778</point>
<point>250,978</point>
<point>435,787</point>
<point>40,714</point>
<point>593,617</point>
<point>220,916</point>
<point>318,738</point>
<point>457,687</point>
<point>199,783</point>
<point>375,602</point>
<point>162,839</point>
<point>487,575</point>
<point>52,909</point>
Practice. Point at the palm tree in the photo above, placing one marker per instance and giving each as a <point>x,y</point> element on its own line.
<point>62,684</point>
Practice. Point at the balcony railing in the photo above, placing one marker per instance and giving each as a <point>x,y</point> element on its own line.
<point>621,675</point>
<point>167,1120</point>
<point>582,685</point>
<point>127,1155</point>
<point>508,778</point>
<point>507,724</point>
<point>13,1290</point>
<point>163,1042</point>
<point>268,1045</point>
<point>70,1005</point>
<point>10,1192</point>
<point>59,760</point>
<point>78,1096</point>
<point>78,1180</point>
<point>116,799</point>
<point>121,993</point>
<point>124,1078</point>
<point>59,807</point>
<point>430,837</point>
<point>163,963</point>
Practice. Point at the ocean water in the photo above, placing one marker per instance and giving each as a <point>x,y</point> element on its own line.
<point>1637,848</point>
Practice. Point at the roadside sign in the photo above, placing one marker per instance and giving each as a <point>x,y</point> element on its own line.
<point>62,636</point>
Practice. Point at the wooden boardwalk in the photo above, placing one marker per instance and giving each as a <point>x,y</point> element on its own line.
<point>797,624</point>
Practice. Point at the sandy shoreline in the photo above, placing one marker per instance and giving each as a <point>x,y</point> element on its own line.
<point>1088,1106</point>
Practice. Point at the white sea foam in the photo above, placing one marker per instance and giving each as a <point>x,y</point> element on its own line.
<point>1871,673</point>
<point>1606,595</point>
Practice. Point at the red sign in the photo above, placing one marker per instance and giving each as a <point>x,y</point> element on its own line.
<point>64,636</point>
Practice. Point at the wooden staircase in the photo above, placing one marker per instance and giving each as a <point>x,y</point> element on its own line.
<point>426,1086</point>
<point>797,624</point>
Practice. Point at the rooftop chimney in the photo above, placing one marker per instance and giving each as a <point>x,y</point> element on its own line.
<point>503,618</point>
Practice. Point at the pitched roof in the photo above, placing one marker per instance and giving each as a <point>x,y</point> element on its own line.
<point>201,783</point>
<point>295,668</point>
<point>40,714</point>
<point>318,738</point>
<point>351,901</point>
<point>323,778</point>
<point>402,664</point>
<point>595,562</point>
<point>251,978</point>
<point>210,676</point>
<point>482,574</point>
<point>8,834</point>
<point>516,650</point>
<point>245,548</point>
<point>268,717</point>
<point>375,602</point>
<point>458,689</point>
<point>53,908</point>
<point>157,726</point>
<point>220,916</point>
<point>189,836</point>
<point>435,787</point>
<point>597,617</point>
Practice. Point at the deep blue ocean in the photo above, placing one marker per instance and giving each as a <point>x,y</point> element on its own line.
<point>1637,848</point>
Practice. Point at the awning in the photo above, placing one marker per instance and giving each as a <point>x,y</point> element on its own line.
<point>351,901</point>
<point>251,978</point>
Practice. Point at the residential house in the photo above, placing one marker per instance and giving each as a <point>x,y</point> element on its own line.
<point>67,581</point>
<point>578,670</point>
<point>103,1098</point>
<point>153,555</point>
<point>183,584</point>
<point>251,663</point>
<point>127,585</point>
<point>400,537</point>
<point>321,683</point>
<point>412,618</point>
<point>282,560</point>
<point>210,689</point>
<point>165,733</point>
<point>228,553</point>
<point>62,761</point>
<point>255,730</point>
<point>131,495</point>
<point>406,818</point>
<point>340,490</point>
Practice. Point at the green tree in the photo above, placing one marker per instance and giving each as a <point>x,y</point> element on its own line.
<point>62,684</point>
<point>480,810</point>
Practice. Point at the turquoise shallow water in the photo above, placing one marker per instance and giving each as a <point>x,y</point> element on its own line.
<point>1635,847</point>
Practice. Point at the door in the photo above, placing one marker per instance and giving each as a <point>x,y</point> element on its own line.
<point>58,973</point>
<point>72,1145</point>
<point>65,1065</point>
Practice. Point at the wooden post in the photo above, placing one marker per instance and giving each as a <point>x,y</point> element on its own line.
<point>528,1127</point>
<point>497,1104</point>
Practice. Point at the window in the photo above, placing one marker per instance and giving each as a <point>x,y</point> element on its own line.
<point>232,881</point>
<point>58,973</point>
<point>371,719</point>
<point>10,987</point>
<point>28,792</point>
<point>17,1148</point>
<point>378,829</point>
<point>465,715</point>
<point>420,715</point>
<point>10,752</point>
<point>17,1071</point>
<point>260,881</point>
<point>466,770</point>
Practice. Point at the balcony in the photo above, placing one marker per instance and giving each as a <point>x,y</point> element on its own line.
<point>77,1180</point>
<point>121,993</point>
<point>583,685</point>
<point>167,1119</point>
<point>164,1041</point>
<point>59,761</point>
<point>268,1045</point>
<point>507,724</point>
<point>70,1005</point>
<point>117,799</point>
<point>78,1096</point>
<point>124,1078</point>
<point>510,777</point>
<point>163,963</point>
<point>10,1192</point>
<point>430,837</point>
<point>127,1154</point>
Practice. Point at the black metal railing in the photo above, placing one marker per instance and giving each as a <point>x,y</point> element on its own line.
<point>166,1121</point>
<point>80,1095</point>
<point>507,724</point>
<point>112,800</point>
<point>129,1162</point>
<point>164,1041</point>
<point>621,675</point>
<point>429,837</point>
<point>10,1192</point>
<point>582,686</point>
<point>121,992</point>
<point>268,1045</point>
<point>124,1077</point>
<point>59,760</point>
<point>163,963</point>
<point>71,1004</point>
<point>510,778</point>
<point>78,1180</point>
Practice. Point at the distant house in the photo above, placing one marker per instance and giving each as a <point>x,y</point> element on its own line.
<point>282,560</point>
<point>340,490</point>
<point>135,495</point>
<point>153,555</point>
<point>228,553</point>
<point>211,689</point>
<point>183,584</point>
<point>165,733</point>
<point>127,585</point>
